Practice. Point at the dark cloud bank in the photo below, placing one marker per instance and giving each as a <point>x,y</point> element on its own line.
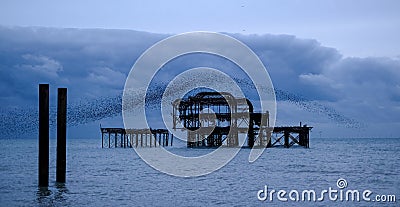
<point>342,96</point>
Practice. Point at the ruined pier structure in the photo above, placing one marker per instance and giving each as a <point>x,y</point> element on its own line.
<point>214,119</point>
<point>120,137</point>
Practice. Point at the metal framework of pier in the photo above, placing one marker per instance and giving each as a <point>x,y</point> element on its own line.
<point>120,137</point>
<point>288,136</point>
<point>212,119</point>
<point>209,117</point>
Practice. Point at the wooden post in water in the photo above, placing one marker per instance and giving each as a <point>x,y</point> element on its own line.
<point>62,135</point>
<point>43,135</point>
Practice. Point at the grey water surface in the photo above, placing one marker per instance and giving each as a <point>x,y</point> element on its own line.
<point>118,177</point>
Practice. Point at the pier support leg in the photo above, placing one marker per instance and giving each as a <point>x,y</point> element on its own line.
<point>122,140</point>
<point>141,139</point>
<point>137,139</point>
<point>269,135</point>
<point>43,135</point>
<point>115,140</point>
<point>163,140</point>
<point>62,135</point>
<point>102,140</point>
<point>131,137</point>
<point>125,141</point>
<point>302,139</point>
<point>250,134</point>
<point>286,137</point>
<point>109,140</point>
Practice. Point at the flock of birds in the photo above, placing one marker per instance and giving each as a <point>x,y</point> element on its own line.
<point>19,121</point>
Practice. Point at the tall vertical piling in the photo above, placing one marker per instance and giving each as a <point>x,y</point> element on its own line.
<point>61,135</point>
<point>286,135</point>
<point>43,175</point>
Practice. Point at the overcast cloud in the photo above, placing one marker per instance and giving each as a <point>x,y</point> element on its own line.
<point>314,83</point>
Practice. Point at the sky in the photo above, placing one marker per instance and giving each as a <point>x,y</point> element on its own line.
<point>358,28</point>
<point>335,65</point>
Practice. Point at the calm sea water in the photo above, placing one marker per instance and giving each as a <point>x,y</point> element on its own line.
<point>118,177</point>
